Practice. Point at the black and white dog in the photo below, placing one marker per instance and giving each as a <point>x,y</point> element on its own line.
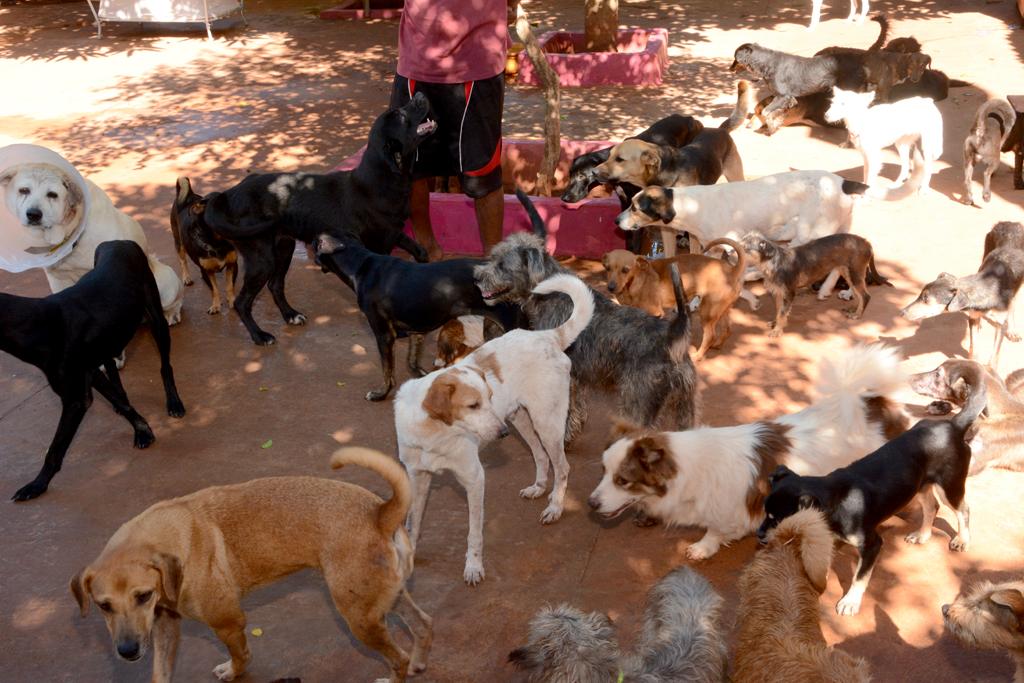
<point>265,214</point>
<point>69,335</point>
<point>930,459</point>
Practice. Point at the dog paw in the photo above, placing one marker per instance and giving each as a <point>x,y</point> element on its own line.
<point>144,438</point>
<point>264,339</point>
<point>295,319</point>
<point>958,544</point>
<point>120,360</point>
<point>533,491</point>
<point>851,313</point>
<point>774,333</point>
<point>939,408</point>
<point>417,371</point>
<point>848,606</point>
<point>552,513</point>
<point>1012,336</point>
<point>846,294</point>
<point>175,408</point>
<point>378,394</point>
<point>986,197</point>
<point>174,319</point>
<point>917,537</point>
<point>29,491</point>
<point>187,281</point>
<point>225,671</point>
<point>967,200</point>
<point>698,551</point>
<point>213,310</point>
<point>473,573</point>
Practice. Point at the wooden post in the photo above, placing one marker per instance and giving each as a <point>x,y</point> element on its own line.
<point>552,108</point>
<point>600,25</point>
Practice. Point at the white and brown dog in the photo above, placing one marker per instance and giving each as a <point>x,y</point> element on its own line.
<point>46,200</point>
<point>521,377</point>
<point>717,477</point>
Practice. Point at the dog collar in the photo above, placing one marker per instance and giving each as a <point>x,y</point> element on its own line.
<point>36,251</point>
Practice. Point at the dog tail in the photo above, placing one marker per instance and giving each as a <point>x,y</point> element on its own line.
<point>392,512</point>
<point>582,305</point>
<point>957,83</point>
<point>883,32</point>
<point>679,330</point>
<point>813,543</point>
<point>977,399</point>
<point>744,105</point>
<point>536,222</point>
<point>999,109</point>
<point>218,216</point>
<point>849,377</point>
<point>740,269</point>
<point>909,187</point>
<point>874,277</point>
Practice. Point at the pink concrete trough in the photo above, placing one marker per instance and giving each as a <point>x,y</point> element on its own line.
<point>380,9</point>
<point>585,229</point>
<point>642,59</point>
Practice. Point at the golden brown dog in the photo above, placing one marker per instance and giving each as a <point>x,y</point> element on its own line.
<point>780,635</point>
<point>991,617</point>
<point>647,284</point>
<point>196,556</point>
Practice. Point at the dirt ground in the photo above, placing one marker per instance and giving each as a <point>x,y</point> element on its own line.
<point>133,111</point>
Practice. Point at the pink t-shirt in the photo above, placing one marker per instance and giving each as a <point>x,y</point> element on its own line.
<point>452,41</point>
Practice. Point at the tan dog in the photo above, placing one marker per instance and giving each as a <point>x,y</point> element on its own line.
<point>647,284</point>
<point>196,556</point>
<point>460,337</point>
<point>780,635</point>
<point>991,617</point>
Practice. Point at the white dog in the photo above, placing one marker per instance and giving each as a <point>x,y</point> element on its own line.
<point>816,12</point>
<point>915,121</point>
<point>794,207</point>
<point>46,200</point>
<point>523,377</point>
<point>717,477</point>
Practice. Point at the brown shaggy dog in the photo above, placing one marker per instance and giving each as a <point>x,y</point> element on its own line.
<point>991,617</point>
<point>780,635</point>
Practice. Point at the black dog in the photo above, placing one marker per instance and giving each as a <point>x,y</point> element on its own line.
<point>193,238</point>
<point>69,335</point>
<point>402,299</point>
<point>931,458</point>
<point>265,214</point>
<point>672,131</point>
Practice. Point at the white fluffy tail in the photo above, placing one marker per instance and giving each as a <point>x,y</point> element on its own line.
<point>862,372</point>
<point>582,305</point>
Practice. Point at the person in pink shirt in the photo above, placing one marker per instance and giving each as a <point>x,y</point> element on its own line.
<point>453,51</point>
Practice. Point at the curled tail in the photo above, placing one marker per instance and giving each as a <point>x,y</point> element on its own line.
<point>582,305</point>
<point>679,328</point>
<point>999,110</point>
<point>392,512</point>
<point>740,269</point>
<point>865,371</point>
<point>977,399</point>
<point>883,32</point>
<point>536,222</point>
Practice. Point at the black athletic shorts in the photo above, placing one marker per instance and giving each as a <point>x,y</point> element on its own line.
<point>467,142</point>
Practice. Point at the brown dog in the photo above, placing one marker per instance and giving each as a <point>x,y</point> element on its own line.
<point>647,284</point>
<point>196,556</point>
<point>991,617</point>
<point>787,269</point>
<point>460,337</point>
<point>780,635</point>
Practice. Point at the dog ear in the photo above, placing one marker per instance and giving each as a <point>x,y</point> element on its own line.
<point>75,198</point>
<point>816,558</point>
<point>170,577</point>
<point>959,302</point>
<point>198,208</point>
<point>7,176</point>
<point>524,658</point>
<point>622,427</point>
<point>651,163</point>
<point>80,585</point>
<point>184,189</point>
<point>393,154</point>
<point>533,259</point>
<point>327,244</point>
<point>438,402</point>
<point>1013,600</point>
<point>780,473</point>
<point>806,500</point>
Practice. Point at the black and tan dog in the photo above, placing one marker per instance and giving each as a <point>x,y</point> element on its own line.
<point>194,239</point>
<point>69,335</point>
<point>983,144</point>
<point>930,459</point>
<point>786,269</point>
<point>265,214</point>
<point>991,290</point>
<point>404,299</point>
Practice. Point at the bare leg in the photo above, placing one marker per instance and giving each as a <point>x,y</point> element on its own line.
<point>165,634</point>
<point>472,479</point>
<point>490,214</point>
<point>962,539</point>
<point>868,554</point>
<point>929,506</point>
<point>421,490</point>
<point>421,625</point>
<point>419,205</point>
<point>524,426</point>
<point>231,632</point>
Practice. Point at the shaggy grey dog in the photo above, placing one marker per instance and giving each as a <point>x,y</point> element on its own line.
<point>680,640</point>
<point>624,349</point>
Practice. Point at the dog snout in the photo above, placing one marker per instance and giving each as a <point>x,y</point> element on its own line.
<point>945,610</point>
<point>611,285</point>
<point>503,431</point>
<point>594,502</point>
<point>762,535</point>
<point>34,216</point>
<point>128,649</point>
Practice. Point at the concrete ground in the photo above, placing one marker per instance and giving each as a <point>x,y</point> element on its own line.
<point>134,111</point>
